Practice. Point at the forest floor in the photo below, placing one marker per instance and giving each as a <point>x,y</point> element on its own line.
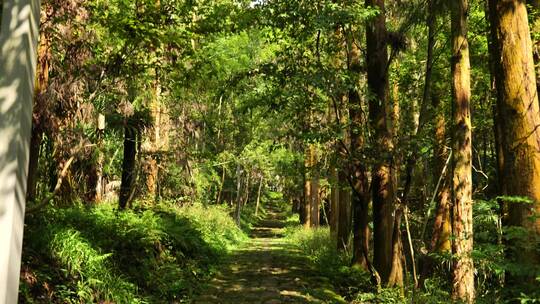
<point>268,270</point>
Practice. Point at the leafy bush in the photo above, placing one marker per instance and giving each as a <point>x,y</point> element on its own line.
<point>85,255</point>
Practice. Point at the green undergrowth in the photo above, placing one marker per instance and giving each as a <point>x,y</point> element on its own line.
<point>353,283</point>
<point>101,255</point>
<point>319,247</point>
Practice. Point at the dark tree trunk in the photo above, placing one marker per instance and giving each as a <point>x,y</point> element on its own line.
<point>35,148</point>
<point>360,187</point>
<point>128,165</point>
<point>382,184</point>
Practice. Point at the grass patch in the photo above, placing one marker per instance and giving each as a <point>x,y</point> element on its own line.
<point>98,254</point>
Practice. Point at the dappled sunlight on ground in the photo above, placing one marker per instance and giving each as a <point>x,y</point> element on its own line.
<point>268,270</point>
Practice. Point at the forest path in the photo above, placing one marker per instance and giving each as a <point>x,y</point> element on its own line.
<point>268,270</point>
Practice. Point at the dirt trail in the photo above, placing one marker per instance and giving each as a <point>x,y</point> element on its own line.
<point>268,270</point>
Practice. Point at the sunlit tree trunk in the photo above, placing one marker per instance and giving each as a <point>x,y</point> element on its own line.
<point>18,48</point>
<point>462,226</point>
<point>396,271</point>
<point>382,184</point>
<point>519,115</point>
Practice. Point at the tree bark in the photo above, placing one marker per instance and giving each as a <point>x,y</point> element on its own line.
<point>462,226</point>
<point>382,185</point>
<point>519,117</point>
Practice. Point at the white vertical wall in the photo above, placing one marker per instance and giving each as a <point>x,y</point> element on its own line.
<point>18,43</point>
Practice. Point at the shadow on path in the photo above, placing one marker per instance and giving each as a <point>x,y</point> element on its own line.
<point>268,270</point>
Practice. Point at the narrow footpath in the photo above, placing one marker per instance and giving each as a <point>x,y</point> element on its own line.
<point>268,270</point>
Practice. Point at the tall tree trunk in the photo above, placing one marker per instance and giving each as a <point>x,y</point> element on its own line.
<point>360,186</point>
<point>462,226</point>
<point>18,48</point>
<point>397,268</point>
<point>382,184</point>
<point>128,165</point>
<point>519,117</point>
